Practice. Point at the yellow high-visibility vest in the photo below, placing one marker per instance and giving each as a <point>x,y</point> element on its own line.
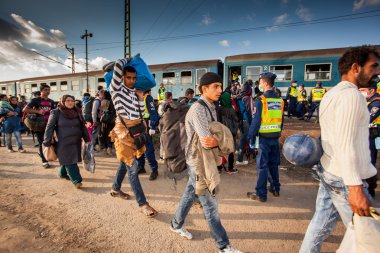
<point>293,91</point>
<point>146,112</point>
<point>301,97</point>
<point>378,88</point>
<point>271,115</point>
<point>161,94</point>
<point>317,94</point>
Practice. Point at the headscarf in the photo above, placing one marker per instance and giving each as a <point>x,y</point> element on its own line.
<point>6,104</point>
<point>66,112</point>
<point>14,106</point>
<point>225,100</point>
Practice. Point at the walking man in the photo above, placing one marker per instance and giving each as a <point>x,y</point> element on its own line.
<point>129,106</point>
<point>197,122</point>
<point>267,123</point>
<point>346,161</point>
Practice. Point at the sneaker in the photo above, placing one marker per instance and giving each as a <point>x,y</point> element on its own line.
<point>46,165</point>
<point>182,232</point>
<point>253,196</point>
<point>242,163</point>
<point>10,150</point>
<point>230,249</point>
<point>78,185</point>
<point>232,171</point>
<point>274,193</point>
<point>153,175</point>
<point>21,150</point>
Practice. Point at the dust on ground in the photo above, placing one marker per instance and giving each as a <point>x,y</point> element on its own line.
<point>40,212</point>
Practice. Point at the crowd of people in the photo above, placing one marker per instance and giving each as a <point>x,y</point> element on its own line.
<point>244,120</point>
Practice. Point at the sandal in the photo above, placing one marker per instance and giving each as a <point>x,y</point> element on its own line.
<point>119,194</point>
<point>148,211</point>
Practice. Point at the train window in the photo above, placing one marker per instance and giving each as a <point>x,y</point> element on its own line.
<point>75,85</point>
<point>168,78</point>
<point>63,85</point>
<point>3,88</point>
<point>199,73</point>
<point>253,73</point>
<point>186,77</point>
<point>318,72</point>
<point>101,80</point>
<point>34,87</point>
<point>53,86</point>
<point>27,89</point>
<point>284,72</point>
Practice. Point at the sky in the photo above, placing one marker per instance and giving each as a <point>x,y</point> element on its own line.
<point>173,30</point>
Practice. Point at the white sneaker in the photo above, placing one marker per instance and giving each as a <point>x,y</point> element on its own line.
<point>242,163</point>
<point>230,249</point>
<point>182,232</point>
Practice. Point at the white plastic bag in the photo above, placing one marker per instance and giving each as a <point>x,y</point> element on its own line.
<point>367,233</point>
<point>348,244</point>
<point>88,157</point>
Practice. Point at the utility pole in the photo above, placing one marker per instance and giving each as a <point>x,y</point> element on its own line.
<point>85,36</point>
<point>71,51</point>
<point>127,28</point>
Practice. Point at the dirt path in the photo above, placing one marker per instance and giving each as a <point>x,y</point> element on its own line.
<point>41,213</point>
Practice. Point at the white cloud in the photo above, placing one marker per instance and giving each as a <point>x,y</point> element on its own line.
<point>279,20</point>
<point>224,43</point>
<point>207,20</point>
<point>94,64</point>
<point>304,13</point>
<point>359,4</point>
<point>246,43</point>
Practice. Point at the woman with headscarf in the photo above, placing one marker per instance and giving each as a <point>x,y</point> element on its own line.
<point>68,124</point>
<point>12,124</point>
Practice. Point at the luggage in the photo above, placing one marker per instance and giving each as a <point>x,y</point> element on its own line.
<point>88,158</point>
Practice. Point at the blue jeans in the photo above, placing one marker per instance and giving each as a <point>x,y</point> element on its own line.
<point>267,160</point>
<point>149,154</point>
<point>133,180</point>
<point>243,141</point>
<point>300,110</point>
<point>40,139</point>
<point>17,137</point>
<point>292,106</point>
<point>314,106</point>
<point>210,209</point>
<point>332,202</point>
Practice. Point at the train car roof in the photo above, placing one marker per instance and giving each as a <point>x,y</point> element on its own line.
<point>187,64</point>
<point>289,54</point>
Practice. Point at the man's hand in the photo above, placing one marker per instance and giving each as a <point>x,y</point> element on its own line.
<point>151,132</point>
<point>209,142</point>
<point>140,94</point>
<point>12,114</point>
<point>358,201</point>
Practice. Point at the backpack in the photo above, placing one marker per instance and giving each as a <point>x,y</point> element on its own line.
<point>108,116</point>
<point>87,110</point>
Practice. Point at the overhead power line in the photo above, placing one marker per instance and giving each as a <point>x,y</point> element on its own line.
<point>51,59</point>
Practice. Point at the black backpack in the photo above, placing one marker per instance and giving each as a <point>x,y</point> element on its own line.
<point>108,116</point>
<point>87,110</point>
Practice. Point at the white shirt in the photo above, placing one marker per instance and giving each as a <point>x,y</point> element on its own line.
<point>344,120</point>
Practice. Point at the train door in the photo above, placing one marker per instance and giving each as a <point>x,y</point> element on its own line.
<point>199,73</point>
<point>234,74</point>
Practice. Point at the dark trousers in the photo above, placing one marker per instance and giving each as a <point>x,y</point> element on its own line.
<point>314,106</point>
<point>149,154</point>
<point>40,138</point>
<point>300,110</point>
<point>268,159</point>
<point>372,181</point>
<point>292,106</point>
<point>72,171</point>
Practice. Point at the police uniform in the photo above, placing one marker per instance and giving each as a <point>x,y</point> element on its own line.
<point>267,123</point>
<point>151,118</point>
<point>315,98</point>
<point>301,102</point>
<point>292,95</point>
<point>161,94</point>
<point>374,109</point>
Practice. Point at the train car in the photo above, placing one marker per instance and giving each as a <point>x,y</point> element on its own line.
<point>307,67</point>
<point>177,77</point>
<point>8,87</point>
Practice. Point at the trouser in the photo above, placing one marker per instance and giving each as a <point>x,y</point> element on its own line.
<point>71,170</point>
<point>17,135</point>
<point>314,106</point>
<point>95,135</point>
<point>243,141</point>
<point>149,154</point>
<point>133,180</point>
<point>292,106</point>
<point>300,110</point>
<point>40,138</point>
<point>332,203</point>
<point>372,182</point>
<point>267,160</point>
<point>210,210</point>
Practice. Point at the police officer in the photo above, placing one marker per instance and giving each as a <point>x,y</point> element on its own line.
<point>315,98</point>
<point>301,102</point>
<point>373,102</point>
<point>151,118</point>
<point>267,123</point>
<point>291,96</point>
<point>161,93</point>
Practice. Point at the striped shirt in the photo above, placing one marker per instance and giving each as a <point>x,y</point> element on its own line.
<point>197,121</point>
<point>125,99</point>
